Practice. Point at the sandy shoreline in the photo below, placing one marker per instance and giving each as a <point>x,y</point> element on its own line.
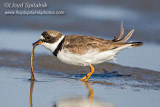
<point>105,73</point>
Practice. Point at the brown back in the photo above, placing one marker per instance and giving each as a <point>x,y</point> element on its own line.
<point>81,44</point>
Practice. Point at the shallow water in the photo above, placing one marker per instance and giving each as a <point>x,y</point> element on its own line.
<point>51,90</point>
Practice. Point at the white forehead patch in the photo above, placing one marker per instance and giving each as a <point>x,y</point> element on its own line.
<point>42,37</point>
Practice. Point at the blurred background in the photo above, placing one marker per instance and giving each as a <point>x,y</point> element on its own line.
<point>100,18</point>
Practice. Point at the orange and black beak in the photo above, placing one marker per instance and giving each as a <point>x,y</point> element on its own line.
<point>39,42</point>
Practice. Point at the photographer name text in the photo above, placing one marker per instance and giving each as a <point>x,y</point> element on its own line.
<point>26,5</point>
<point>27,8</point>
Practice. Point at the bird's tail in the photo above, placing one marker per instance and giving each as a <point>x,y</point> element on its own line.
<point>124,39</point>
<point>136,44</point>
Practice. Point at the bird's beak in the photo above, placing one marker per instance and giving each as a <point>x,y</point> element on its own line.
<point>39,42</point>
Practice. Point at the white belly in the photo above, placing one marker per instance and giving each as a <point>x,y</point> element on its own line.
<point>92,56</point>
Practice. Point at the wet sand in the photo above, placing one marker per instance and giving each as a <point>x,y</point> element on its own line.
<point>105,73</point>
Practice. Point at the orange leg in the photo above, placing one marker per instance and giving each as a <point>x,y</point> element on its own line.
<point>85,78</point>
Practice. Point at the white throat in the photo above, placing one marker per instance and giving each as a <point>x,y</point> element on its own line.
<point>52,46</point>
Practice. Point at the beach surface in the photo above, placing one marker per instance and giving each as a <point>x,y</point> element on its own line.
<point>58,84</point>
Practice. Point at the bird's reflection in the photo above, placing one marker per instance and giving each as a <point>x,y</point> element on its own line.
<point>31,91</point>
<point>76,101</point>
<point>81,101</point>
<point>90,90</point>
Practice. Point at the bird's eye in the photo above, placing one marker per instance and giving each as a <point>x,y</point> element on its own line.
<point>48,37</point>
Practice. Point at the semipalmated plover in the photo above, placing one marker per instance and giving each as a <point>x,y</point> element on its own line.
<point>85,50</point>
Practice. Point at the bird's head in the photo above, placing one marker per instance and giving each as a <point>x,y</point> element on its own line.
<point>50,39</point>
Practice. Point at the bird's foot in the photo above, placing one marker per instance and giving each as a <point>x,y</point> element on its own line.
<point>85,78</point>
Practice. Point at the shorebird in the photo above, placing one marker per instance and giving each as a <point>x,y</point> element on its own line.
<point>83,50</point>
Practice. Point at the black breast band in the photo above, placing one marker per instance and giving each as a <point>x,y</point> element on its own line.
<point>59,47</point>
